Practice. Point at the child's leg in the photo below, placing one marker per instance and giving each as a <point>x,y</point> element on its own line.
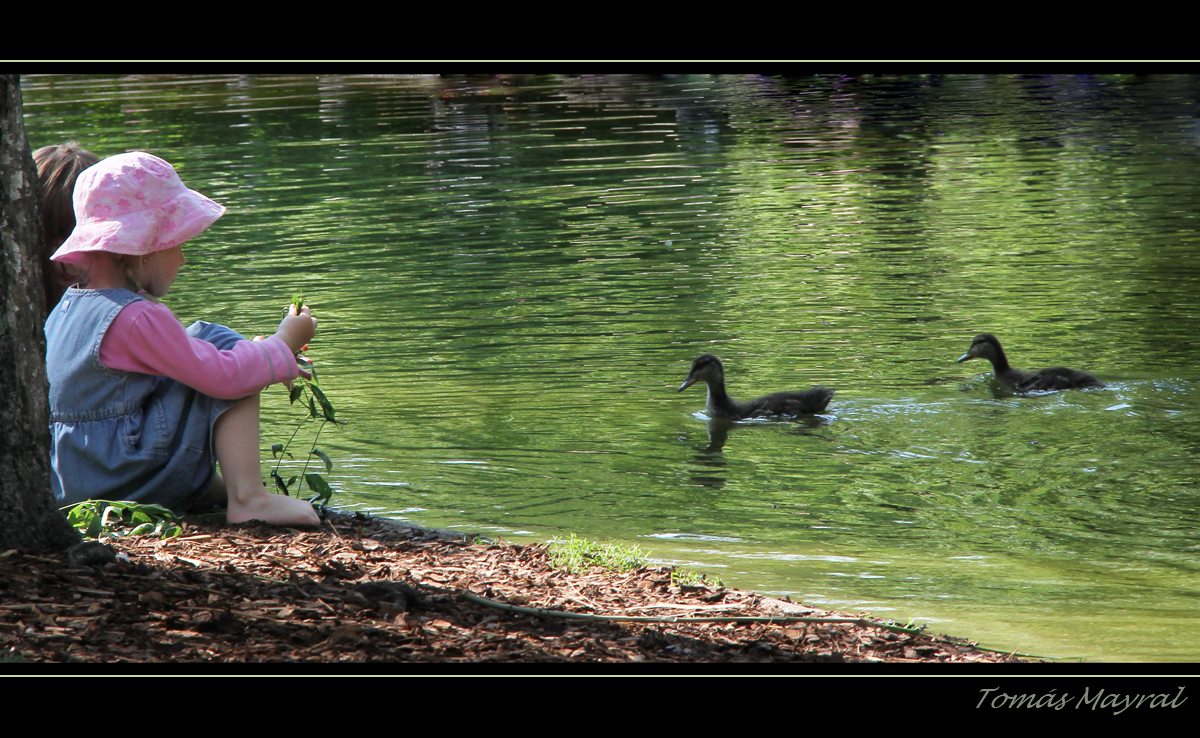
<point>235,437</point>
<point>215,495</point>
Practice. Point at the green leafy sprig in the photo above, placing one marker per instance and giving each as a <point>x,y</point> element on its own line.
<point>309,392</point>
<point>115,518</point>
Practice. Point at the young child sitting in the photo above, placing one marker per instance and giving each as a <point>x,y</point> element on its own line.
<point>141,407</point>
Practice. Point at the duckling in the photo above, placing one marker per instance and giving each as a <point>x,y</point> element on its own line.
<point>708,368</point>
<point>987,346</point>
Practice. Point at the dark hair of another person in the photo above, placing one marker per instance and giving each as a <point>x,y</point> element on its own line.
<point>58,166</point>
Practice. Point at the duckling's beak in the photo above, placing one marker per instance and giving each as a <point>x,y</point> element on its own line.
<point>963,358</point>
<point>686,383</point>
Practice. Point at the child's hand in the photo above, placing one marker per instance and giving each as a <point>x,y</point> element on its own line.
<point>297,328</point>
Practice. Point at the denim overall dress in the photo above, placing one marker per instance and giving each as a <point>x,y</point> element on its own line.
<point>118,435</point>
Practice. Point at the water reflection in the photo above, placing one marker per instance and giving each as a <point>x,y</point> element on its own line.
<point>718,432</point>
<point>509,272</point>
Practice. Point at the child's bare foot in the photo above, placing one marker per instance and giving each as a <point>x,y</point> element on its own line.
<point>271,509</point>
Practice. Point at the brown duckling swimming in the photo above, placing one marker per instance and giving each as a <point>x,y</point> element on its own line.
<point>987,346</point>
<point>708,368</point>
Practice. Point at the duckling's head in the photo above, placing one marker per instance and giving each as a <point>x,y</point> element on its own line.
<point>985,346</point>
<point>705,368</point>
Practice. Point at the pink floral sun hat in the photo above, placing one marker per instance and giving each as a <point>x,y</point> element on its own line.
<point>134,203</point>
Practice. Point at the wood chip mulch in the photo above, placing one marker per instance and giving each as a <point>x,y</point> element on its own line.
<point>360,590</point>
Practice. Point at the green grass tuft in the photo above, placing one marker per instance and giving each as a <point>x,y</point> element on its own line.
<point>689,578</point>
<point>578,556</point>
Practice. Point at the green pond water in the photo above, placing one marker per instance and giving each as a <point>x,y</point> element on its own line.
<point>513,275</point>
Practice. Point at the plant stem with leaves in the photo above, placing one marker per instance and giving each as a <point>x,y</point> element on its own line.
<point>311,395</point>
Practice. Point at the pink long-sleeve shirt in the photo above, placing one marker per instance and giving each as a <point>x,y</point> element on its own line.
<point>146,337</point>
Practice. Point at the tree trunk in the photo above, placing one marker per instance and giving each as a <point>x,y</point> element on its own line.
<point>29,517</point>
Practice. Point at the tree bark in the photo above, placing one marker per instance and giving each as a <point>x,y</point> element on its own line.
<point>29,517</point>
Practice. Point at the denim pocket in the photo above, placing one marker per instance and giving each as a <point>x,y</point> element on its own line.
<point>146,430</point>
